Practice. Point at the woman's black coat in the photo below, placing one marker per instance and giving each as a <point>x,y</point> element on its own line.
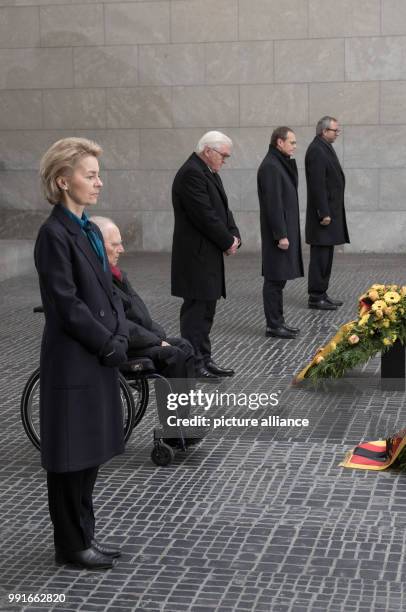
<point>80,407</point>
<point>325,195</point>
<point>279,217</point>
<point>204,230</point>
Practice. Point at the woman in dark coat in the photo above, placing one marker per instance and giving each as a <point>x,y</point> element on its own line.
<point>84,340</point>
<point>280,227</point>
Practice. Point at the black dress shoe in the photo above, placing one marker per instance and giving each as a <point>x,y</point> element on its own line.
<point>294,330</point>
<point>106,550</point>
<point>204,374</point>
<point>279,332</point>
<point>335,302</point>
<point>322,305</point>
<point>215,369</point>
<point>90,558</point>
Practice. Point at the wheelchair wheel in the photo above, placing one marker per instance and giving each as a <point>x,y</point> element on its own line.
<point>140,394</point>
<point>162,454</point>
<point>29,408</point>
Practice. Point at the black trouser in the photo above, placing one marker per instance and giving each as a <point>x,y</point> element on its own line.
<point>196,320</point>
<point>70,499</point>
<point>176,363</point>
<point>321,261</point>
<point>272,293</point>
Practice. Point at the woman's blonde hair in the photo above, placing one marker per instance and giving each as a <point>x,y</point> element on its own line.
<point>60,160</point>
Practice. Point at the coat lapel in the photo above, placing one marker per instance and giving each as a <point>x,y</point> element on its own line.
<point>288,175</point>
<point>332,155</point>
<point>84,245</point>
<point>214,178</point>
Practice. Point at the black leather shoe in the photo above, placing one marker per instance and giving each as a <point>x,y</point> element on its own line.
<point>279,332</point>
<point>215,369</point>
<point>204,374</point>
<point>106,550</point>
<point>322,305</point>
<point>293,330</point>
<point>90,559</point>
<point>334,302</point>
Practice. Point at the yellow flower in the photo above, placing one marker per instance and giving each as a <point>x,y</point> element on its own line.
<point>403,291</point>
<point>378,314</point>
<point>353,339</point>
<point>364,319</point>
<point>378,305</point>
<point>373,295</point>
<point>387,341</point>
<point>319,359</point>
<point>385,323</point>
<point>377,287</point>
<point>387,310</point>
<point>391,297</point>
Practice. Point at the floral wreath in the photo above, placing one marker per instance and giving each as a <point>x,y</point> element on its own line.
<point>381,322</point>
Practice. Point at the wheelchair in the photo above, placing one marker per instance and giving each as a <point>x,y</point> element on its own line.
<point>134,377</point>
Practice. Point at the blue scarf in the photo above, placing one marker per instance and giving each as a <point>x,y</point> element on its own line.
<point>91,235</point>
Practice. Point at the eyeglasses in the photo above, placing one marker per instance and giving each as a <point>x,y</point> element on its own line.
<point>336,130</point>
<point>223,155</point>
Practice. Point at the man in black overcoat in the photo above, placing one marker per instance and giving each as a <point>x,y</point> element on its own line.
<point>173,357</point>
<point>280,228</point>
<point>204,231</point>
<point>326,224</point>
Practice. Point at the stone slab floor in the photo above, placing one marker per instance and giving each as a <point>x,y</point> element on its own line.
<point>251,519</point>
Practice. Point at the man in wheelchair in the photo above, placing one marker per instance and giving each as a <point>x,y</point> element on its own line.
<point>173,357</point>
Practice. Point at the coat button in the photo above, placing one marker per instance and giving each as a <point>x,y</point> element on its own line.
<point>114,312</point>
<point>101,313</point>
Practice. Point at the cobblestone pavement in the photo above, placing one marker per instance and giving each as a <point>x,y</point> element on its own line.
<point>252,519</point>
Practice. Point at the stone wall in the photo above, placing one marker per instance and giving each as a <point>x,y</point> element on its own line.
<point>147,78</point>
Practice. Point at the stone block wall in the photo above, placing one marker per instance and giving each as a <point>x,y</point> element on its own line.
<point>146,78</point>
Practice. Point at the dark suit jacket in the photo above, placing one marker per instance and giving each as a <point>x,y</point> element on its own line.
<point>143,331</point>
<point>80,407</point>
<point>204,229</point>
<point>325,195</point>
<point>279,217</point>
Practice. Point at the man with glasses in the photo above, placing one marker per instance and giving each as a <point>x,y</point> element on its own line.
<point>204,232</point>
<point>326,224</point>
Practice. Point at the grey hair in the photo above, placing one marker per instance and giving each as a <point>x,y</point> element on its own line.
<point>324,124</point>
<point>213,139</point>
<point>103,223</point>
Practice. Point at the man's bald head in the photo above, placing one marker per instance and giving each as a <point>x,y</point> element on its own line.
<point>103,223</point>
<point>112,238</point>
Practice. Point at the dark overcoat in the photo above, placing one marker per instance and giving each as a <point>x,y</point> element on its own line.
<point>204,230</point>
<point>144,332</point>
<point>325,195</point>
<point>279,217</point>
<point>80,409</point>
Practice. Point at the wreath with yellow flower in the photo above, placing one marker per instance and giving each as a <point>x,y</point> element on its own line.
<point>381,321</point>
